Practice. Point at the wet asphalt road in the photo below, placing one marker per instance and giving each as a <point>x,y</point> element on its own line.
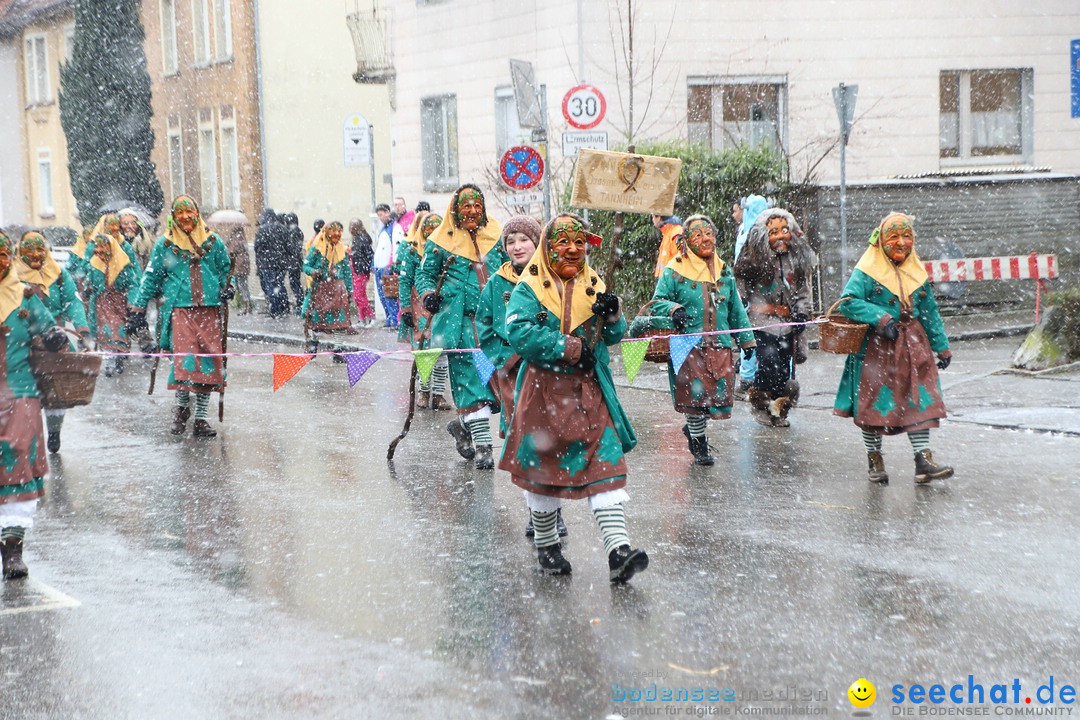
<point>283,570</point>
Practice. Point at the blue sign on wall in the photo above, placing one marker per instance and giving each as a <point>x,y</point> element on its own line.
<point>1075,73</point>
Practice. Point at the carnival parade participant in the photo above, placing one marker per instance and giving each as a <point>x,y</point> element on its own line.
<point>189,269</point>
<point>111,286</point>
<point>136,235</point>
<point>109,224</point>
<point>568,436</point>
<point>697,294</point>
<point>891,385</point>
<point>326,305</point>
<point>458,258</point>
<point>414,320</point>
<point>773,277</point>
<point>23,317</point>
<point>54,286</point>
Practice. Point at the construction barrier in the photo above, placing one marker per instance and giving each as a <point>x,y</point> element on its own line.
<point>1009,267</point>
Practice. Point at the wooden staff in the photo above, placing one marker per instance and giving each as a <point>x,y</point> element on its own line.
<point>224,348</point>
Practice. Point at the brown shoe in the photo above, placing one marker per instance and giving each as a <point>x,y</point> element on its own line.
<point>11,554</point>
<point>759,406</point>
<point>876,473</point>
<point>180,418</point>
<point>926,469</point>
<point>203,429</point>
<point>423,400</point>
<point>779,409</point>
<point>438,402</point>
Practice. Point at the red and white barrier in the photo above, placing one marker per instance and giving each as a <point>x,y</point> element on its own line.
<point>1015,267</point>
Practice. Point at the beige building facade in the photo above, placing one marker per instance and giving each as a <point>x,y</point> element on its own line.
<point>943,87</point>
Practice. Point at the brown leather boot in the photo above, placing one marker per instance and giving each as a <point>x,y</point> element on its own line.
<point>180,418</point>
<point>779,409</point>
<point>203,429</point>
<point>926,469</point>
<point>759,406</point>
<point>11,553</point>
<point>876,473</point>
<point>438,402</point>
<point>423,400</point>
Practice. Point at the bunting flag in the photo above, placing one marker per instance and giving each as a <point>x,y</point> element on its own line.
<point>633,352</point>
<point>483,366</point>
<point>425,361</point>
<point>286,366</point>
<point>356,364</point>
<point>681,345</point>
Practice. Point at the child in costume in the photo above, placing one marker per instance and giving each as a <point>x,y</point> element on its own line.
<point>891,385</point>
<point>326,304</point>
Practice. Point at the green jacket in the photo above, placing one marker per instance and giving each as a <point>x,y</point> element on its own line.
<point>168,275</point>
<point>868,301</point>
<point>20,331</point>
<point>64,303</point>
<point>674,291</point>
<point>408,264</point>
<point>127,283</point>
<point>535,334</point>
<point>452,325</point>
<point>491,320</point>
<point>317,262</point>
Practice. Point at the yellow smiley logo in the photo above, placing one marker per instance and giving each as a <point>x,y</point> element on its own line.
<point>862,693</point>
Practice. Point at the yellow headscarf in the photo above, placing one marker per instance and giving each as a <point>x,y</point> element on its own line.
<point>49,271</point>
<point>192,243</point>
<point>99,229</point>
<point>548,288</point>
<point>507,271</point>
<point>901,280</point>
<point>688,264</point>
<point>117,262</point>
<point>11,287</point>
<point>415,236</point>
<point>79,248</point>
<point>453,239</point>
<point>333,253</point>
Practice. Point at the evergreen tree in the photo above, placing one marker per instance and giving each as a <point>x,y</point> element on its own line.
<point>105,109</point>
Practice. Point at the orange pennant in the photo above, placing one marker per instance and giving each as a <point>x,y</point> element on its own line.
<point>286,366</point>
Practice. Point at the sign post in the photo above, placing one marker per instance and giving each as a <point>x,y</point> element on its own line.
<point>358,143</point>
<point>844,96</point>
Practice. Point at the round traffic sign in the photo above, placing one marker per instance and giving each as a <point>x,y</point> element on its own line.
<point>521,167</point>
<point>584,107</point>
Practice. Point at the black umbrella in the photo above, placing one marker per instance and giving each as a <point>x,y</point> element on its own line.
<point>144,215</point>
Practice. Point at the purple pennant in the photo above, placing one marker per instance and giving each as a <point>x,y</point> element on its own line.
<point>681,345</point>
<point>356,364</point>
<point>484,368</point>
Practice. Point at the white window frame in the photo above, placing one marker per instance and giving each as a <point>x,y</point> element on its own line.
<point>200,29</point>
<point>177,184</point>
<point>231,188</point>
<point>443,112</point>
<point>965,132</point>
<point>717,83</point>
<point>38,82</point>
<point>170,49</point>
<point>223,49</point>
<point>208,166</point>
<point>45,197</point>
<point>69,41</point>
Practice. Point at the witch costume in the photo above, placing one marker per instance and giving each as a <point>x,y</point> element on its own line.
<point>414,321</point>
<point>326,304</point>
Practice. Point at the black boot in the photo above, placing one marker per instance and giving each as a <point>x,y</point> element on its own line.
<point>624,562</point>
<point>876,473</point>
<point>484,460</point>
<point>11,553</point>
<point>699,447</point>
<point>203,429</point>
<point>926,469</point>
<point>552,561</point>
<point>559,524</point>
<point>53,442</point>
<point>530,531</point>
<point>311,347</point>
<point>180,418</point>
<point>462,438</point>
<point>339,355</point>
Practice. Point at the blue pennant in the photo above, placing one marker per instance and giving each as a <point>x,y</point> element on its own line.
<point>483,366</point>
<point>681,345</point>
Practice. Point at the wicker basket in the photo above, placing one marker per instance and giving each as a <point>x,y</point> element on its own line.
<point>841,335</point>
<point>659,350</point>
<point>390,286</point>
<point>65,379</point>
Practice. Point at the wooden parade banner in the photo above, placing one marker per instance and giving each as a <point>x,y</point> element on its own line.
<point>625,182</point>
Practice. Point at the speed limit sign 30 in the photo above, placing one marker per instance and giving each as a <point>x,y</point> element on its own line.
<point>584,107</point>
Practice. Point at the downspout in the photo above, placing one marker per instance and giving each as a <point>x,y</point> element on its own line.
<point>262,118</point>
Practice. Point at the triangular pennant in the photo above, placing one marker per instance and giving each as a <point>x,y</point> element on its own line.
<point>286,366</point>
<point>681,345</point>
<point>356,364</point>
<point>633,352</point>
<point>483,366</point>
<point>425,361</point>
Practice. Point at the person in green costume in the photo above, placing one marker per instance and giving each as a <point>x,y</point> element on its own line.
<point>414,320</point>
<point>569,435</point>
<point>23,463</point>
<point>326,304</point>
<point>189,270</point>
<point>696,293</point>
<point>890,386</point>
<point>458,259</point>
<point>55,287</point>
<point>111,285</point>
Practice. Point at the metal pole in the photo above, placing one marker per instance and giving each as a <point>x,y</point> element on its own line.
<point>843,186</point>
<point>581,41</point>
<point>547,158</point>
<point>371,164</point>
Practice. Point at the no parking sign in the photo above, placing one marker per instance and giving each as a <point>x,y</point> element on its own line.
<point>521,167</point>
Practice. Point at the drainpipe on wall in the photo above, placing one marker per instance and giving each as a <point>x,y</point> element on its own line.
<point>262,119</point>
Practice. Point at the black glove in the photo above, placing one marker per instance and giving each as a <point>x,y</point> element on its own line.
<point>891,331</point>
<point>606,304</point>
<point>943,362</point>
<point>407,319</point>
<point>432,302</point>
<point>680,319</point>
<point>799,318</point>
<point>54,339</point>
<point>747,353</point>
<point>227,293</point>
<point>136,323</point>
<point>587,361</point>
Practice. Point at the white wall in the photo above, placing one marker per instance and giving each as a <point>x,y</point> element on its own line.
<point>12,155</point>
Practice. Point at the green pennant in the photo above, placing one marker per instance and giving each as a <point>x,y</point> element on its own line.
<point>425,362</point>
<point>633,352</point>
